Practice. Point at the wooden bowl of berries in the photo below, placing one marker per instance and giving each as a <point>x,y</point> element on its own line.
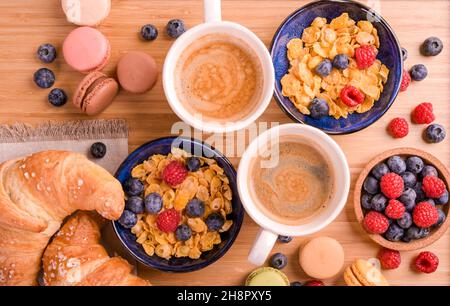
<point>401,199</point>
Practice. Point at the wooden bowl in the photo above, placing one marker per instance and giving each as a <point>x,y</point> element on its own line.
<point>435,234</point>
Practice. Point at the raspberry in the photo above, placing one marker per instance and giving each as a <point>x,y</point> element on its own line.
<point>423,113</point>
<point>314,283</point>
<point>375,222</point>
<point>425,215</point>
<point>406,80</point>
<point>433,186</point>
<point>398,128</point>
<point>391,185</point>
<point>389,259</point>
<point>351,96</point>
<point>167,221</point>
<point>365,56</point>
<point>395,209</point>
<point>174,173</point>
<point>426,262</point>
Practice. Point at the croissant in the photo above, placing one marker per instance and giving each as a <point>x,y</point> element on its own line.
<point>36,194</point>
<point>75,257</point>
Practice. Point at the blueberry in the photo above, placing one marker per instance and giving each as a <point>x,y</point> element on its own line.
<point>133,187</point>
<point>404,54</point>
<point>371,185</point>
<point>432,46</point>
<point>340,61</point>
<point>153,203</point>
<point>443,199</point>
<point>414,232</point>
<point>296,284</point>
<point>405,221</point>
<point>284,239</point>
<point>135,204</point>
<point>435,133</point>
<point>420,195</point>
<point>175,28</point>
<point>429,171</point>
<point>319,108</point>
<point>214,222</point>
<point>98,150</point>
<point>394,233</point>
<point>409,179</point>
<point>418,72</point>
<point>128,219</point>
<point>366,201</point>
<point>324,68</point>
<point>379,170</point>
<point>396,164</point>
<point>441,218</point>
<point>149,32</point>
<point>46,53</point>
<point>278,261</point>
<point>44,78</point>
<point>195,208</point>
<point>378,202</point>
<point>193,163</point>
<point>414,164</point>
<point>431,201</point>
<point>57,97</point>
<point>183,232</point>
<point>408,198</point>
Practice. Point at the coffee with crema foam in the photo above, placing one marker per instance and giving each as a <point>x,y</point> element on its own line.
<point>298,188</point>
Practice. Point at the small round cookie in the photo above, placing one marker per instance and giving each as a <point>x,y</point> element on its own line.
<point>86,12</point>
<point>322,257</point>
<point>137,72</point>
<point>267,276</point>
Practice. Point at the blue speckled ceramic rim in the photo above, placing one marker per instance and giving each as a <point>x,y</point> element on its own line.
<point>382,21</point>
<point>237,221</point>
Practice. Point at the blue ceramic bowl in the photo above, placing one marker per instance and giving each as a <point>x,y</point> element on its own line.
<point>163,146</point>
<point>389,54</point>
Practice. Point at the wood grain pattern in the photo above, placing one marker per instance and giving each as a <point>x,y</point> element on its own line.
<point>25,24</point>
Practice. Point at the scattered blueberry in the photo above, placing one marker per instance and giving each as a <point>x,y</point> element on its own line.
<point>284,239</point>
<point>394,232</point>
<point>193,163</point>
<point>319,108</point>
<point>183,232</point>
<point>44,78</point>
<point>414,164</point>
<point>153,203</point>
<point>46,53</point>
<point>278,261</point>
<point>420,195</point>
<point>441,218</point>
<point>418,72</point>
<point>408,198</point>
<point>429,171</point>
<point>195,208</point>
<point>340,61</point>
<point>133,187</point>
<point>296,284</point>
<point>366,201</point>
<point>379,170</point>
<point>409,179</point>
<point>57,97</point>
<point>149,32</point>
<point>396,164</point>
<point>135,204</point>
<point>404,54</point>
<point>175,28</point>
<point>378,202</point>
<point>405,221</point>
<point>432,46</point>
<point>128,219</point>
<point>443,199</point>
<point>98,150</point>
<point>214,222</point>
<point>371,185</point>
<point>435,133</point>
<point>324,68</point>
<point>431,201</point>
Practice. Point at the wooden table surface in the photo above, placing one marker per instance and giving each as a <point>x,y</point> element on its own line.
<point>25,24</point>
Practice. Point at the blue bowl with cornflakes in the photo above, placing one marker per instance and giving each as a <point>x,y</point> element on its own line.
<point>181,264</point>
<point>389,53</point>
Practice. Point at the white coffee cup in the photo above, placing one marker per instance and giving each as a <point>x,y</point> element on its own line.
<point>214,25</point>
<point>270,229</point>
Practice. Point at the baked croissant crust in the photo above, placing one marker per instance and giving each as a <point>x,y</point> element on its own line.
<point>36,194</point>
<point>75,258</point>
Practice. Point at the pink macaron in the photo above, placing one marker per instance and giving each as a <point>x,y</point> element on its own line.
<point>86,49</point>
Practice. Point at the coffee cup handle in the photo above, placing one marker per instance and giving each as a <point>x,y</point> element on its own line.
<point>264,242</point>
<point>212,10</point>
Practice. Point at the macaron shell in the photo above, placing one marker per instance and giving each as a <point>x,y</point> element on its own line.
<point>86,12</point>
<point>83,86</point>
<point>367,274</point>
<point>350,279</point>
<point>100,97</point>
<point>86,49</point>
<point>267,276</point>
<point>137,72</point>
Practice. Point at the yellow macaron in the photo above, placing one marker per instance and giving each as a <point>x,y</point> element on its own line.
<point>363,273</point>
